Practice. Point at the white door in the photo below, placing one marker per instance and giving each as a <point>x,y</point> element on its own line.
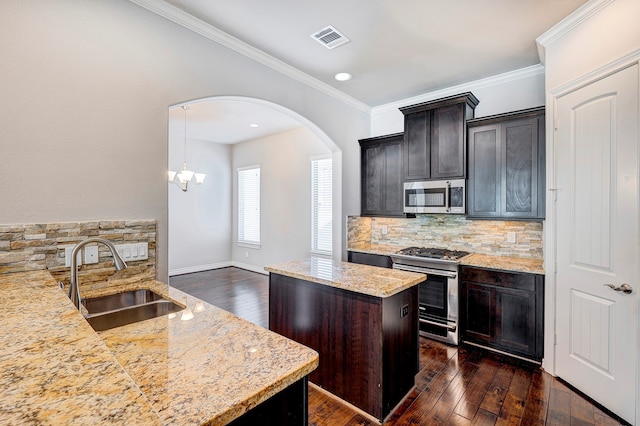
<point>597,239</point>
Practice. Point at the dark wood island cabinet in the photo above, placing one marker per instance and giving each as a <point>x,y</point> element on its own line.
<point>363,322</point>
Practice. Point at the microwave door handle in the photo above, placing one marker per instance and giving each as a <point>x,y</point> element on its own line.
<point>447,197</point>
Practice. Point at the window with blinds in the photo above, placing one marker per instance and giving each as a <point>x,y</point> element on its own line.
<point>249,205</point>
<point>321,205</point>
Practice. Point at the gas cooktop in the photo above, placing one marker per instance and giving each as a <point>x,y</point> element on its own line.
<point>433,253</point>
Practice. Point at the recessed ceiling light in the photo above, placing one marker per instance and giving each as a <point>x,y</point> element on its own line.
<point>342,76</point>
<point>253,125</point>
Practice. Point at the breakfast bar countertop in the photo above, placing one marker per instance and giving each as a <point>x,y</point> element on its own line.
<point>364,279</point>
<point>55,369</point>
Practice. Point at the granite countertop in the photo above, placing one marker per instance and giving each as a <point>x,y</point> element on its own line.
<point>370,280</point>
<point>515,264</point>
<point>210,369</point>
<point>505,263</point>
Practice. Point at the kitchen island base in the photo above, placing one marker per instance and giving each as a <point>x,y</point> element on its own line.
<point>367,345</point>
<point>288,407</point>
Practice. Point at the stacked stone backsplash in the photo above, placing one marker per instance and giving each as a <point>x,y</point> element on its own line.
<point>34,247</point>
<point>449,231</point>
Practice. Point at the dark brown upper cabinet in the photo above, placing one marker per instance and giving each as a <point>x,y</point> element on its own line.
<point>507,166</point>
<point>381,176</point>
<point>435,138</point>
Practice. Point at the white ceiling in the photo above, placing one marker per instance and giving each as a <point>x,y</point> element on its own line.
<point>398,48</point>
<point>228,121</point>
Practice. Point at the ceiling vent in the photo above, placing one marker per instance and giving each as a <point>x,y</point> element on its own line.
<point>329,37</point>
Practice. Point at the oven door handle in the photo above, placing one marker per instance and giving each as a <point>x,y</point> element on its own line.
<point>439,324</point>
<point>437,272</point>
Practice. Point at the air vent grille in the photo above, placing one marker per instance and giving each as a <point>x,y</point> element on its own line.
<point>330,37</point>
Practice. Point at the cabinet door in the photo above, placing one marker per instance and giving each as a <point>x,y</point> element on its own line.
<point>373,166</point>
<point>417,146</point>
<point>484,189</point>
<point>507,166</point>
<point>448,142</point>
<point>516,320</point>
<point>520,170</point>
<point>393,190</point>
<point>381,177</point>
<point>479,310</point>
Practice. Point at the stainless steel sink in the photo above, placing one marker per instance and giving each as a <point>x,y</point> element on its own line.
<point>116,310</point>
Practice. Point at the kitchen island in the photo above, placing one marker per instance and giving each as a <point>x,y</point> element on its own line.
<point>363,321</point>
<point>213,369</point>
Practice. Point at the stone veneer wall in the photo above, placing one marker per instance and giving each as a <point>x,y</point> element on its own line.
<point>449,231</point>
<point>34,247</point>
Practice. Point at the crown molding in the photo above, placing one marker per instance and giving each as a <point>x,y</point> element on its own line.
<point>464,87</point>
<point>565,26</point>
<point>182,18</point>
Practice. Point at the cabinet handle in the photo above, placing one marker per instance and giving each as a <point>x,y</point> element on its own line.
<point>437,324</point>
<point>625,288</point>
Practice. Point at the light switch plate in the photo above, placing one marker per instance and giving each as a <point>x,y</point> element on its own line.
<point>511,237</point>
<point>67,256</point>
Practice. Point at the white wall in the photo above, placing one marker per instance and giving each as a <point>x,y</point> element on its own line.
<point>285,203</point>
<point>512,91</point>
<point>200,219</point>
<point>86,88</point>
<point>607,35</point>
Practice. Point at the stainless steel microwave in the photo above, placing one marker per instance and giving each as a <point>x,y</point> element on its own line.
<point>435,196</point>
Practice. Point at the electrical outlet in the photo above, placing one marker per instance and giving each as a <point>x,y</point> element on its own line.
<point>246,254</point>
<point>511,237</point>
<point>90,255</point>
<point>404,311</point>
<point>384,230</point>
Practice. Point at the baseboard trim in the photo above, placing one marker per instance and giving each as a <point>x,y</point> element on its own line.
<point>252,268</point>
<point>198,268</point>
<point>201,268</point>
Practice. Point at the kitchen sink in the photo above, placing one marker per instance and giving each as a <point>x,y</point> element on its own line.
<point>116,310</point>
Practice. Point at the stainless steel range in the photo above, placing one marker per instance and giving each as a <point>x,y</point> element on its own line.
<point>438,295</point>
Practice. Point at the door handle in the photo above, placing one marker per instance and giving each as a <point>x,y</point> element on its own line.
<point>625,288</point>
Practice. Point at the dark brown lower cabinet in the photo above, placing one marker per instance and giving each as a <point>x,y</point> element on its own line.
<point>367,346</point>
<point>503,310</point>
<point>289,407</point>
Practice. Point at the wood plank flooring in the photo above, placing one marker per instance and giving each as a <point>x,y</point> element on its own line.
<point>455,386</point>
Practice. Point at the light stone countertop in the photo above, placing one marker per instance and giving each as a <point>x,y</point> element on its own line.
<point>210,369</point>
<point>505,263</point>
<point>364,279</point>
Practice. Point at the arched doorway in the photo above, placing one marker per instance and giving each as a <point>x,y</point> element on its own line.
<point>202,221</point>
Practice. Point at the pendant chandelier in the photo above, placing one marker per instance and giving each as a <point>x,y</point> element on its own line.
<point>184,176</point>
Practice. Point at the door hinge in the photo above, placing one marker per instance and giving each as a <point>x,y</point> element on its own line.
<point>555,339</point>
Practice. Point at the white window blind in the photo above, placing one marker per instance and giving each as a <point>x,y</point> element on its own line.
<point>249,205</point>
<point>321,205</point>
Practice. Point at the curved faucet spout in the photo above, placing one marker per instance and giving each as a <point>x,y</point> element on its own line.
<point>74,287</point>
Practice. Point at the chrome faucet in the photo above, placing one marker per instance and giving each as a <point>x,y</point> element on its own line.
<point>74,287</point>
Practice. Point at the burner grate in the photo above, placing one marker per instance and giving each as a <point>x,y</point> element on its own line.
<point>433,253</point>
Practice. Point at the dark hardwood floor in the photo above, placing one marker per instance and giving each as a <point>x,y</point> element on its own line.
<point>455,386</point>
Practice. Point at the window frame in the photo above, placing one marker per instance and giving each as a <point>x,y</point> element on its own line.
<point>315,228</point>
<point>242,241</point>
